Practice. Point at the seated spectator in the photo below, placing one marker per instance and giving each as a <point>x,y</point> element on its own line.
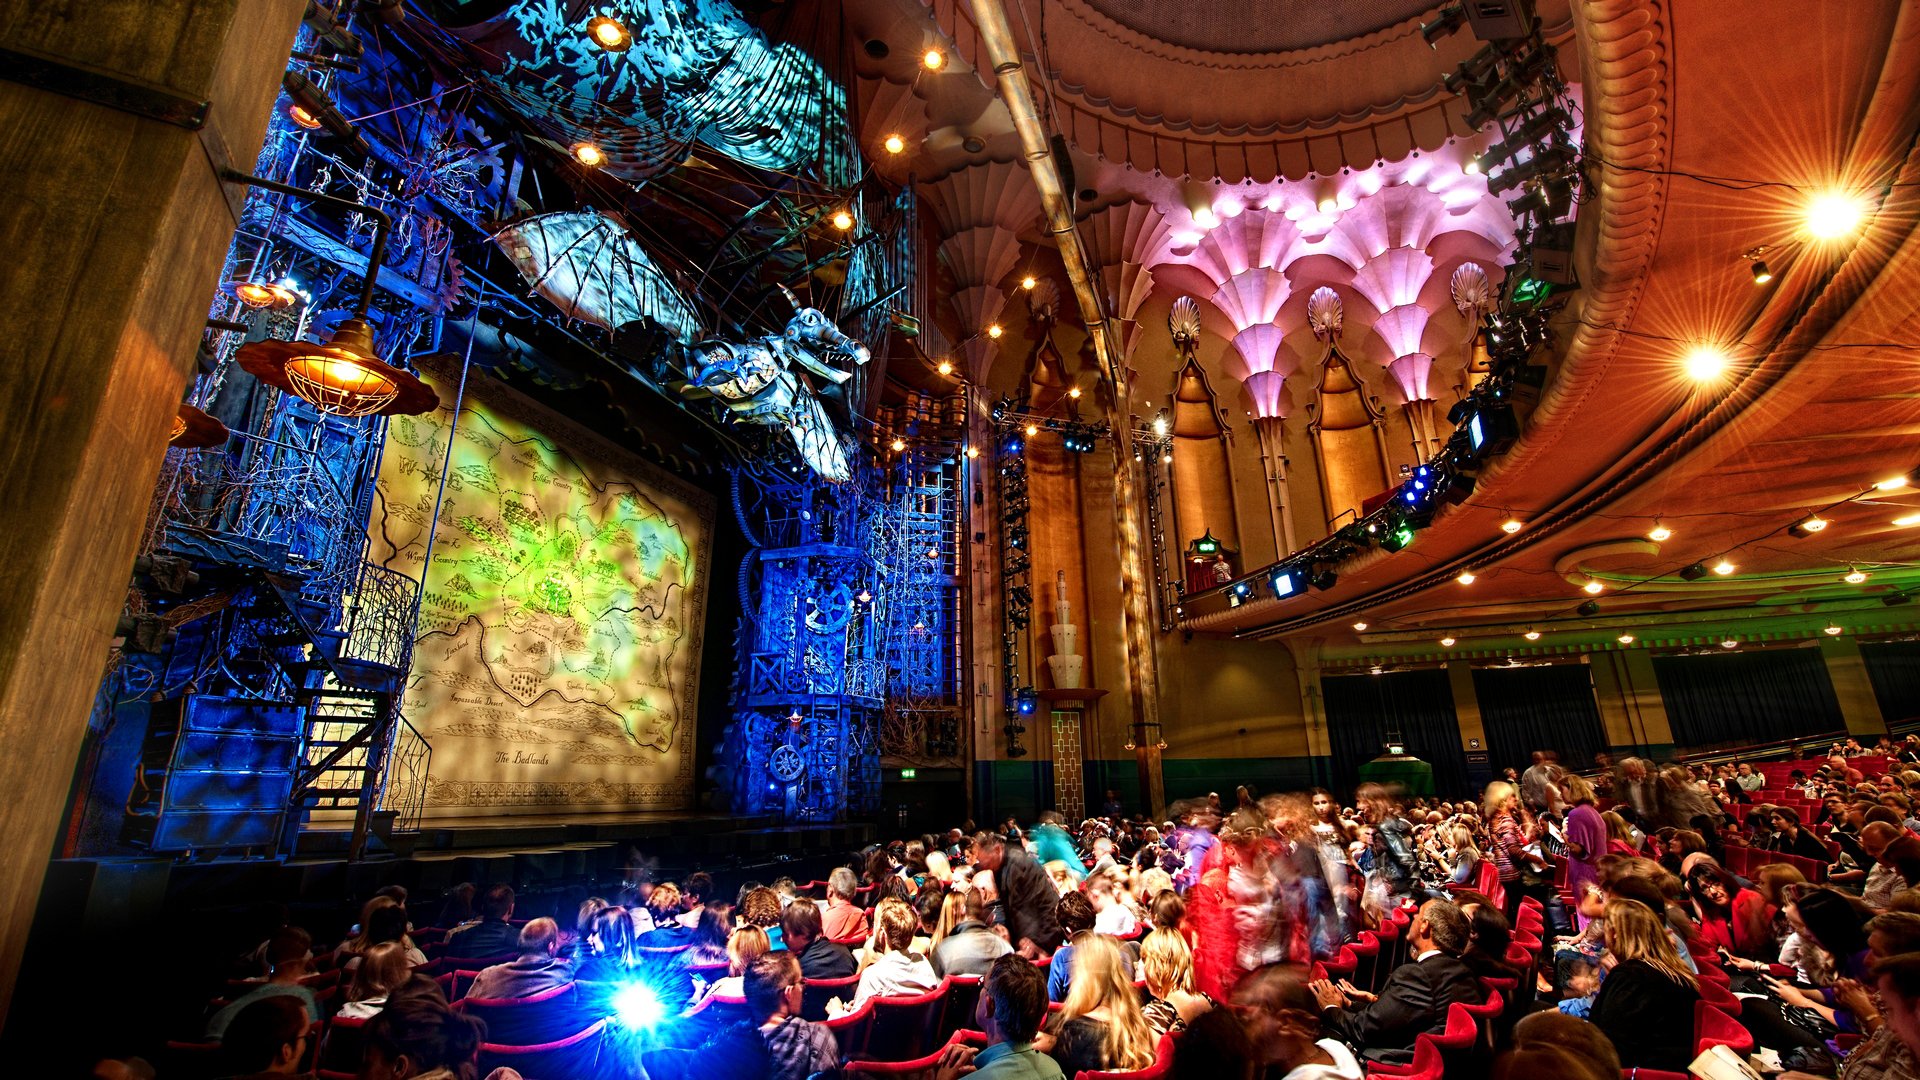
<point>1729,917</point>
<point>1896,862</point>
<point>1283,1030</point>
<point>1645,1004</point>
<point>456,911</point>
<point>797,1048</point>
<point>1168,910</point>
<point>1489,935</point>
<point>608,954</point>
<point>267,1038</point>
<point>538,969</point>
<point>1101,1025</point>
<point>1416,996</point>
<point>1898,980</point>
<point>1074,912</point>
<point>842,918</point>
<point>663,907</point>
<point>421,1039</point>
<point>1550,1044</point>
<point>1166,963</point>
<point>383,969</point>
<point>953,912</point>
<point>1110,916</point>
<point>927,904</point>
<point>971,947</point>
<point>694,898</point>
<point>896,970</point>
<point>386,921</point>
<point>760,906</point>
<point>818,957</point>
<point>1789,838</point>
<point>1013,1002</point>
<point>1749,779</point>
<point>709,938</point>
<point>289,960</point>
<point>492,935</point>
<point>748,943</point>
<point>1620,836</point>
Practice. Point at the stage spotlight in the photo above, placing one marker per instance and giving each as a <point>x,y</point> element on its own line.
<point>1761,274</point>
<point>1029,282</point>
<point>1625,639</point>
<point>895,144</point>
<point>1450,19</point>
<point>1704,363</point>
<point>1693,573</point>
<point>1659,534</point>
<point>1032,430</point>
<point>1590,608</point>
<point>1447,642</point>
<point>1723,568</point>
<point>1833,630</point>
<point>1026,701</point>
<point>945,367</point>
<point>609,33</point>
<point>1807,526</point>
<point>842,220</point>
<point>1594,587</point>
<point>898,445</point>
<point>637,1006</point>
<point>1466,577</point>
<point>1531,634</point>
<point>588,154</point>
<point>1854,576</point>
<point>1834,215</point>
<point>1511,526</point>
<point>1360,627</point>
<point>1324,579</point>
<point>1286,582</point>
<point>933,60</point>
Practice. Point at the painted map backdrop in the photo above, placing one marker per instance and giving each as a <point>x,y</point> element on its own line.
<point>558,651</point>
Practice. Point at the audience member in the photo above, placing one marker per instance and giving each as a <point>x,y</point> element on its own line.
<point>267,1038</point>
<point>1415,997</point>
<point>842,918</point>
<point>1283,1030</point>
<point>797,1048</point>
<point>1013,1002</point>
<point>971,947</point>
<point>819,958</point>
<point>1645,1004</point>
<point>896,970</point>
<point>421,1039</point>
<point>1026,895</point>
<point>289,960</point>
<point>383,969</point>
<point>1101,1024</point>
<point>538,968</point>
<point>1166,964</point>
<point>493,935</point>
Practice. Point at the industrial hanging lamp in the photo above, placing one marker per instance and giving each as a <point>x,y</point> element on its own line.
<point>341,375</point>
<point>195,430</point>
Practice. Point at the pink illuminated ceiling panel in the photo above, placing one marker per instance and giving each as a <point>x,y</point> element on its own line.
<point>1259,349</point>
<point>1267,390</point>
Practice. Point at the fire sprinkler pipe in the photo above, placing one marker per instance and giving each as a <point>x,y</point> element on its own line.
<point>1137,598</point>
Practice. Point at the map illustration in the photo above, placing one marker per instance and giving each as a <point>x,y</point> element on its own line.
<point>558,650</point>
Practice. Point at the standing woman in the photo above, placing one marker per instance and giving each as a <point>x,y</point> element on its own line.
<point>1586,835</point>
<point>1619,835</point>
<point>1333,834</point>
<point>1394,861</point>
<point>1508,834</point>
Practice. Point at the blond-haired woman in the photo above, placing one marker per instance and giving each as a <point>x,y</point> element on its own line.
<point>1645,1006</point>
<point>1101,1025</point>
<point>748,943</point>
<point>1509,831</point>
<point>1166,963</point>
<point>383,969</point>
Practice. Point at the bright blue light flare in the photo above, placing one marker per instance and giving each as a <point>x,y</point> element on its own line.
<point>637,1006</point>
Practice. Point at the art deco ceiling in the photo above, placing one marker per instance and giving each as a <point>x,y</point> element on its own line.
<point>1256,26</point>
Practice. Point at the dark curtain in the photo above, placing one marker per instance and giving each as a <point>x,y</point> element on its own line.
<point>1894,668</point>
<point>1747,697</point>
<point>1415,705</point>
<point>1539,708</point>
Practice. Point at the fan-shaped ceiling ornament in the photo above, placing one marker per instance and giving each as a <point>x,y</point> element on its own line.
<point>1472,293</point>
<point>592,269</point>
<point>1183,322</point>
<point>1324,313</point>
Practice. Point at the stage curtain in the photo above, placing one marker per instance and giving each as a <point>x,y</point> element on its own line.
<point>1539,708</point>
<point>1417,705</point>
<point>1747,697</point>
<point>1894,668</point>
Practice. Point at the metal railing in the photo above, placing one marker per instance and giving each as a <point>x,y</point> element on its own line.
<point>404,785</point>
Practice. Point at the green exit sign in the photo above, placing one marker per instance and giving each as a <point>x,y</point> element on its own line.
<point>909,774</point>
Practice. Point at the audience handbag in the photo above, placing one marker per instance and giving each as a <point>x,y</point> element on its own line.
<point>1720,1063</point>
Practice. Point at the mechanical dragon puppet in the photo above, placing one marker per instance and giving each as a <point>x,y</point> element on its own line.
<point>592,269</point>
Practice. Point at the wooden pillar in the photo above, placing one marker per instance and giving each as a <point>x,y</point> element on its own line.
<point>115,227</point>
<point>1628,695</point>
<point>1848,670</point>
<point>1313,707</point>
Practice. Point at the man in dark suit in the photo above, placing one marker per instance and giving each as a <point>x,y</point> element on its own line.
<point>1026,894</point>
<point>1416,996</point>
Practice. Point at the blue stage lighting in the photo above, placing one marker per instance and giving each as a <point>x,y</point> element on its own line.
<point>1287,581</point>
<point>637,1006</point>
<point>1026,702</point>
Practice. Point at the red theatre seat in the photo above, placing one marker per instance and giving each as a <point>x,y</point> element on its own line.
<point>815,993</point>
<point>529,1020</point>
<point>575,1055</point>
<point>1711,1027</point>
<point>1161,1067</point>
<point>903,1027</point>
<point>1427,1064</point>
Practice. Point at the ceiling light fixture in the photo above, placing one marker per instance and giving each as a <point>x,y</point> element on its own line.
<point>1446,642</point>
<point>1854,576</point>
<point>1807,526</point>
<point>1833,630</point>
<point>1360,627</point>
<point>261,294</point>
<point>945,367</point>
<point>972,452</point>
<point>1032,430</point>
<point>1029,282</point>
<point>1511,526</point>
<point>1532,634</point>
<point>1834,215</point>
<point>1466,577</point>
<point>1761,275</point>
<point>1906,520</point>
<point>1724,567</point>
<point>898,445</point>
<point>193,429</point>
<point>994,331</point>
<point>1659,534</point>
<point>1205,217</point>
<point>301,117</point>
<point>588,154</point>
<point>1704,363</point>
<point>895,144</point>
<point>1891,483</point>
<point>933,60</point>
<point>1625,639</point>
<point>1730,643</point>
<point>842,220</point>
<point>1594,587</point>
<point>1074,393</point>
<point>609,33</point>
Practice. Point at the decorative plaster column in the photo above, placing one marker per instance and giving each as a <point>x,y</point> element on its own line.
<point>1852,687</point>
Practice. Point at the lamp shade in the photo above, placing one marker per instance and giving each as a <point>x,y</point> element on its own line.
<point>342,377</point>
<point>195,430</point>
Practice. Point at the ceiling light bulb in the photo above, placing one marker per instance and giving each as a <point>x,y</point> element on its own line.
<point>994,331</point>
<point>1594,587</point>
<point>588,154</point>
<point>1761,274</point>
<point>842,220</point>
<point>899,445</point>
<point>1205,217</point>
<point>1730,643</point>
<point>1327,205</point>
<point>1466,577</point>
<point>1891,483</point>
<point>895,144</point>
<point>1473,166</point>
<point>1511,526</point>
<point>1814,523</point>
<point>1029,281</point>
<point>1032,430</point>
<point>299,115</point>
<point>1723,568</point>
<point>1074,393</point>
<point>1360,626</point>
<point>1626,639</point>
<point>1659,533</point>
<point>945,367</point>
<point>933,60</point>
<point>1166,459</point>
<point>1832,630</point>
<point>609,33</point>
<point>1704,363</point>
<point>1834,215</point>
<point>1854,576</point>
<point>1446,642</point>
<point>1532,635</point>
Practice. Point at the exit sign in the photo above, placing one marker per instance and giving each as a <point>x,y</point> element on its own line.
<point>909,774</point>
